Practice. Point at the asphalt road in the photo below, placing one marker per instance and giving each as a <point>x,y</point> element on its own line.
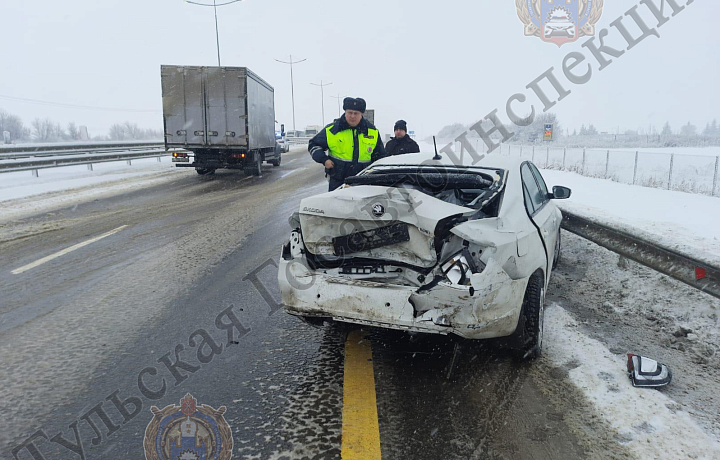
<point>79,327</point>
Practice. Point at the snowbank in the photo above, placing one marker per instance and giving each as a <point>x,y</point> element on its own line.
<point>646,421</point>
<point>685,222</point>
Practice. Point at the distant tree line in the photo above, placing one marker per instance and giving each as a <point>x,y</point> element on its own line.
<point>46,130</point>
<point>590,136</point>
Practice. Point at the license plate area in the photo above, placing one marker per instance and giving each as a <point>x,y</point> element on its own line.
<point>181,160</point>
<point>371,239</point>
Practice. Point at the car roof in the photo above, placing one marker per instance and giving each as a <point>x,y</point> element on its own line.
<point>491,160</point>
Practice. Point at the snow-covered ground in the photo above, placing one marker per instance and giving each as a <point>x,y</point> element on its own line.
<point>704,151</point>
<point>648,422</point>
<point>686,222</point>
<point>18,189</point>
<point>21,184</point>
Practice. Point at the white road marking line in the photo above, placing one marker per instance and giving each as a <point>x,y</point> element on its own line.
<point>37,263</point>
<point>290,172</point>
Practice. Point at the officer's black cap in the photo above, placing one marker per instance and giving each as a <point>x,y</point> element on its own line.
<point>354,103</point>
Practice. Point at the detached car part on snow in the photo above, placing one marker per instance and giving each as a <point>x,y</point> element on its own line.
<point>428,246</point>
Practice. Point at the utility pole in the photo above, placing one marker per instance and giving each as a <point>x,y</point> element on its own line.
<point>338,99</point>
<point>322,97</point>
<point>217,33</point>
<point>292,84</point>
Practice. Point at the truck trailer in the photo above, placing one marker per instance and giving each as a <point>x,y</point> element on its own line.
<point>224,116</point>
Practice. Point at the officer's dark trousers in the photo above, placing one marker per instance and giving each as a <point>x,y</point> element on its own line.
<point>334,183</point>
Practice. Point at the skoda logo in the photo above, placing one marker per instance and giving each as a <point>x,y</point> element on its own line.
<point>378,210</point>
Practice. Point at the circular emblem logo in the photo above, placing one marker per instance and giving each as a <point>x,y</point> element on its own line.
<point>378,210</point>
<point>188,432</point>
<point>559,22</point>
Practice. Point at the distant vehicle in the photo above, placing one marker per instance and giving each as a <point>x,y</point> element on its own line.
<point>435,248</point>
<point>312,130</point>
<point>224,115</point>
<point>280,138</point>
<point>559,26</point>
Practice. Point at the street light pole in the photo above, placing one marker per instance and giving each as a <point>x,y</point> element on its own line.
<point>322,97</point>
<point>217,32</point>
<point>292,84</point>
<point>338,99</point>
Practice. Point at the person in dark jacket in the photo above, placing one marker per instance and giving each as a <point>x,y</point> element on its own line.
<point>401,143</point>
<point>352,143</point>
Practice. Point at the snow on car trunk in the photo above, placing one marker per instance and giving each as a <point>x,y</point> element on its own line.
<point>376,222</point>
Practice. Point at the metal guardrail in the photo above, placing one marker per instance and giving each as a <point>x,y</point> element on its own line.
<point>693,272</point>
<point>58,153</point>
<point>82,146</point>
<point>59,161</point>
<point>298,140</point>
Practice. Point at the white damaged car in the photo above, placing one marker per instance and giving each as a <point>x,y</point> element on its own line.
<point>425,245</point>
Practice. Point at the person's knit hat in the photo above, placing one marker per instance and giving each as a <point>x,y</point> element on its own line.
<point>354,103</point>
<point>400,124</point>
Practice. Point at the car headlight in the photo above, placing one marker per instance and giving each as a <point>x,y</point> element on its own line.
<point>458,268</point>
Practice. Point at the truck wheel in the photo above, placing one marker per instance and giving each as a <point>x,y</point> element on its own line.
<point>276,161</point>
<point>203,171</point>
<point>529,333</point>
<point>255,169</point>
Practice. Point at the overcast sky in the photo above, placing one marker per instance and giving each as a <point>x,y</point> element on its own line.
<point>431,63</point>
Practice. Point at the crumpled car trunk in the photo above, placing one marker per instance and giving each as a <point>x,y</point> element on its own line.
<point>399,225</point>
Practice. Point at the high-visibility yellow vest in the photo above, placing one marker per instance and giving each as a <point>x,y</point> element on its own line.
<point>341,146</point>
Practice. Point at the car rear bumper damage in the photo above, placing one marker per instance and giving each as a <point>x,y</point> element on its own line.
<point>488,307</point>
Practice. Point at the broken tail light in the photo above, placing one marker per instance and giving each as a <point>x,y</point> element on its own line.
<point>459,267</point>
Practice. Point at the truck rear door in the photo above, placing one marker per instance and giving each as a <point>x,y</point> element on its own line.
<point>183,111</point>
<point>225,92</point>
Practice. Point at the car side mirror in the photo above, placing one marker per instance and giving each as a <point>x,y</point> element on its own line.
<point>561,193</point>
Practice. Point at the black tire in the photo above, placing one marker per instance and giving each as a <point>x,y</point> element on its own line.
<point>276,161</point>
<point>530,329</point>
<point>255,169</point>
<point>203,171</point>
<point>556,259</point>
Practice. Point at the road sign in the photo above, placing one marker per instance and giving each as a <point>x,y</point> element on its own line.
<point>548,134</point>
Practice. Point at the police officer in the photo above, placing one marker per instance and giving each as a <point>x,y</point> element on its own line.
<point>352,143</point>
<point>401,143</point>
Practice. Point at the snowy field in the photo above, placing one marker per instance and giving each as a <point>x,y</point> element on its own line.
<point>687,169</point>
<point>685,222</point>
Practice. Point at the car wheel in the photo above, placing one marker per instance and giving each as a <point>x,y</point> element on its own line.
<point>556,258</point>
<point>530,330</point>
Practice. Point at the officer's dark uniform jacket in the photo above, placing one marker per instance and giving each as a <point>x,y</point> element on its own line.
<point>397,146</point>
<point>350,149</point>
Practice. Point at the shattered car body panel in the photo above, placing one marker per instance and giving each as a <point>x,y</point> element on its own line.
<point>351,210</point>
<point>461,271</point>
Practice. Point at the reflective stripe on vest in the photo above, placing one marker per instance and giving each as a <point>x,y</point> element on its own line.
<point>341,146</point>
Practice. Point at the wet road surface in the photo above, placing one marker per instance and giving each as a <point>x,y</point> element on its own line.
<point>80,328</point>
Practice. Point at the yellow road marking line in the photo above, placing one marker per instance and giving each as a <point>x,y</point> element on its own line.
<point>360,429</point>
<point>37,263</point>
